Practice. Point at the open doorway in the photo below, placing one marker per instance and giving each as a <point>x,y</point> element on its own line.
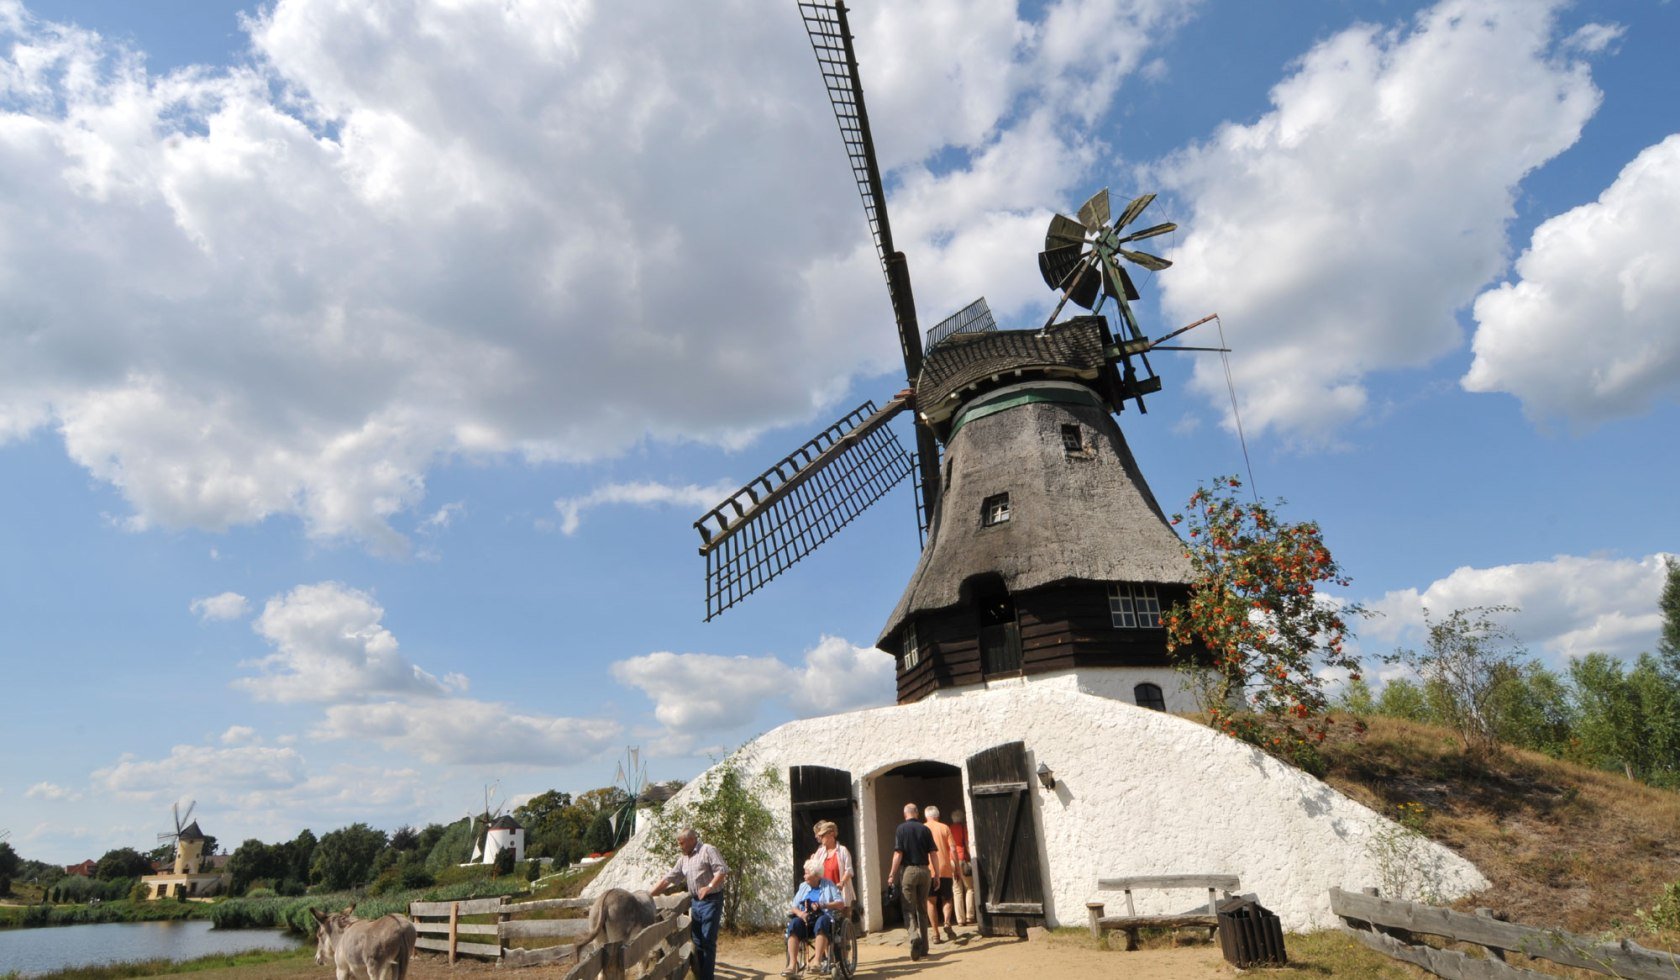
<point>922,782</point>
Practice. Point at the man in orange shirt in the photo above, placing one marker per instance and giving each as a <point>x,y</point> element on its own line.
<point>944,869</point>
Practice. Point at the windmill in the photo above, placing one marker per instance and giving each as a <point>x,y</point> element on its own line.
<point>186,840</point>
<point>632,779</point>
<point>480,827</point>
<point>1036,515</point>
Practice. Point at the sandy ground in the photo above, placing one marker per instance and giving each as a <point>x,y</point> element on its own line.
<point>880,956</point>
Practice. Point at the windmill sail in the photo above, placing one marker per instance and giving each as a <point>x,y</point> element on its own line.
<point>787,511</point>
<point>831,40</point>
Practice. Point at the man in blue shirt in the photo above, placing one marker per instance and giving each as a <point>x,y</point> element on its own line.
<point>809,917</point>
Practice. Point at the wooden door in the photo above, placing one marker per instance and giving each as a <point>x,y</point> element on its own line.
<point>820,793</point>
<point>1004,841</point>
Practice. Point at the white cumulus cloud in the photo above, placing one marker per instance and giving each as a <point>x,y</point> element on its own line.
<point>699,693</point>
<point>1338,234</point>
<point>49,791</point>
<point>227,605</point>
<point>644,493</point>
<point>469,732</point>
<point>1566,607</point>
<point>329,645</point>
<point>395,236</point>
<point>1588,331</point>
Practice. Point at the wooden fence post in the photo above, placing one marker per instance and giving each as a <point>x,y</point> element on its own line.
<point>1493,951</point>
<point>454,924</point>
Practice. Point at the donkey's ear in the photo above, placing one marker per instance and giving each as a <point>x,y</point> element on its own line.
<point>318,914</point>
<point>350,909</point>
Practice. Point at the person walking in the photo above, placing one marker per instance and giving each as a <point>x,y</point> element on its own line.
<point>701,869</point>
<point>913,848</point>
<point>963,884</point>
<point>944,868</point>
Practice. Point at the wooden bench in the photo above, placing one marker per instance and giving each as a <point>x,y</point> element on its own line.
<point>1131,922</point>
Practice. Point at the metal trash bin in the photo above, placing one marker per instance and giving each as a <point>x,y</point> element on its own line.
<point>1249,934</point>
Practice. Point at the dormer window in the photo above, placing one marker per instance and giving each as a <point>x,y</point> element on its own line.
<point>994,510</point>
<point>1134,606</point>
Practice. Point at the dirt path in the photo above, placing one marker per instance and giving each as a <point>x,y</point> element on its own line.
<point>973,956</point>
<point>758,958</point>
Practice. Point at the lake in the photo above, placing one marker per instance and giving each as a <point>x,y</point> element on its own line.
<point>34,951</point>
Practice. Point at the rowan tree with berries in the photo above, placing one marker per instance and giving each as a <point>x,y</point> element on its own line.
<point>1255,607</point>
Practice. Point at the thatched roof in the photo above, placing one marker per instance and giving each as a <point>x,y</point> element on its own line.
<point>1086,515</point>
<point>1072,350</point>
<point>504,822</point>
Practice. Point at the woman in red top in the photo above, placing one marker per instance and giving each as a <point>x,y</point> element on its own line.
<point>835,859</point>
<point>963,882</point>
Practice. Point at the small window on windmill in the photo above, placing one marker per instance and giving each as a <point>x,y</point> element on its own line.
<point>1134,606</point>
<point>1074,444</point>
<point>994,510</point>
<point>1149,696</point>
<point>912,650</point>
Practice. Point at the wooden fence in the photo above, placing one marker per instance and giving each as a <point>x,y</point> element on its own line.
<point>662,951</point>
<point>441,929</point>
<point>1388,925</point>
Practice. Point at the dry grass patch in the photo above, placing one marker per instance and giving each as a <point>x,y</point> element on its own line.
<point>1565,846</point>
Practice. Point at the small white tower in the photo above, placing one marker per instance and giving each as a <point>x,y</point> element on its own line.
<point>504,833</point>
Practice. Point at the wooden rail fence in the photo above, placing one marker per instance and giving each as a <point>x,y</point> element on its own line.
<point>662,951</point>
<point>442,930</point>
<point>1387,925</point>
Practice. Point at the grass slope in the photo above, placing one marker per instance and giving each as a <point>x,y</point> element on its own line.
<point>1564,846</point>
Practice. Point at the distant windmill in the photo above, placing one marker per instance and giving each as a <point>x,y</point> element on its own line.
<point>632,778</point>
<point>487,817</point>
<point>186,840</point>
<point>4,833</point>
<point>172,837</point>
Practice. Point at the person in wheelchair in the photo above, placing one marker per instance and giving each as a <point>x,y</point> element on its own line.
<point>810,918</point>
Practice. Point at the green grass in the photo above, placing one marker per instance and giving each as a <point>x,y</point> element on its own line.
<point>152,968</point>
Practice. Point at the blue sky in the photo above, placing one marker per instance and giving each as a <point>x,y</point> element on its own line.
<point>362,370</point>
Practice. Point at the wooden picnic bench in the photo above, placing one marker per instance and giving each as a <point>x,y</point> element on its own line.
<point>1131,922</point>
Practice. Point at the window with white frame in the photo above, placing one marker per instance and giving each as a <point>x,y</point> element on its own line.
<point>912,650</point>
<point>994,510</point>
<point>1134,606</point>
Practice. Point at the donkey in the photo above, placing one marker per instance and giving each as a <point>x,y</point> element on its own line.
<point>364,949</point>
<point>617,915</point>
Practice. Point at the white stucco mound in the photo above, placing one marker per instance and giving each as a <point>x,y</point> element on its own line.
<point>1137,792</point>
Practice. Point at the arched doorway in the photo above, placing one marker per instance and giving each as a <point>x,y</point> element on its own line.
<point>922,782</point>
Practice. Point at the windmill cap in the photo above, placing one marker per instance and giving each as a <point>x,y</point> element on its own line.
<point>191,832</point>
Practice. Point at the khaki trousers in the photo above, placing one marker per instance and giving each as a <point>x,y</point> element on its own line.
<point>913,894</point>
<point>962,888</point>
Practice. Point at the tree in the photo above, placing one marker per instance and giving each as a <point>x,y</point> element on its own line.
<point>1535,711</point>
<point>1668,645</point>
<point>453,847</point>
<point>405,838</point>
<point>1628,721</point>
<point>300,857</point>
<point>123,862</point>
<point>1268,634</point>
<point>344,858</point>
<point>599,838</point>
<point>9,864</point>
<point>255,861</point>
<point>730,814</point>
<point>1466,661</point>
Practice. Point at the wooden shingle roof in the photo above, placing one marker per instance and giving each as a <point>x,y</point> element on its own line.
<point>1072,350</point>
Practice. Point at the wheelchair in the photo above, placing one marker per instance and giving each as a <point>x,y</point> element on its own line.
<point>842,947</point>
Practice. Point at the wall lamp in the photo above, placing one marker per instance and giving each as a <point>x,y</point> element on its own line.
<point>1046,777</point>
